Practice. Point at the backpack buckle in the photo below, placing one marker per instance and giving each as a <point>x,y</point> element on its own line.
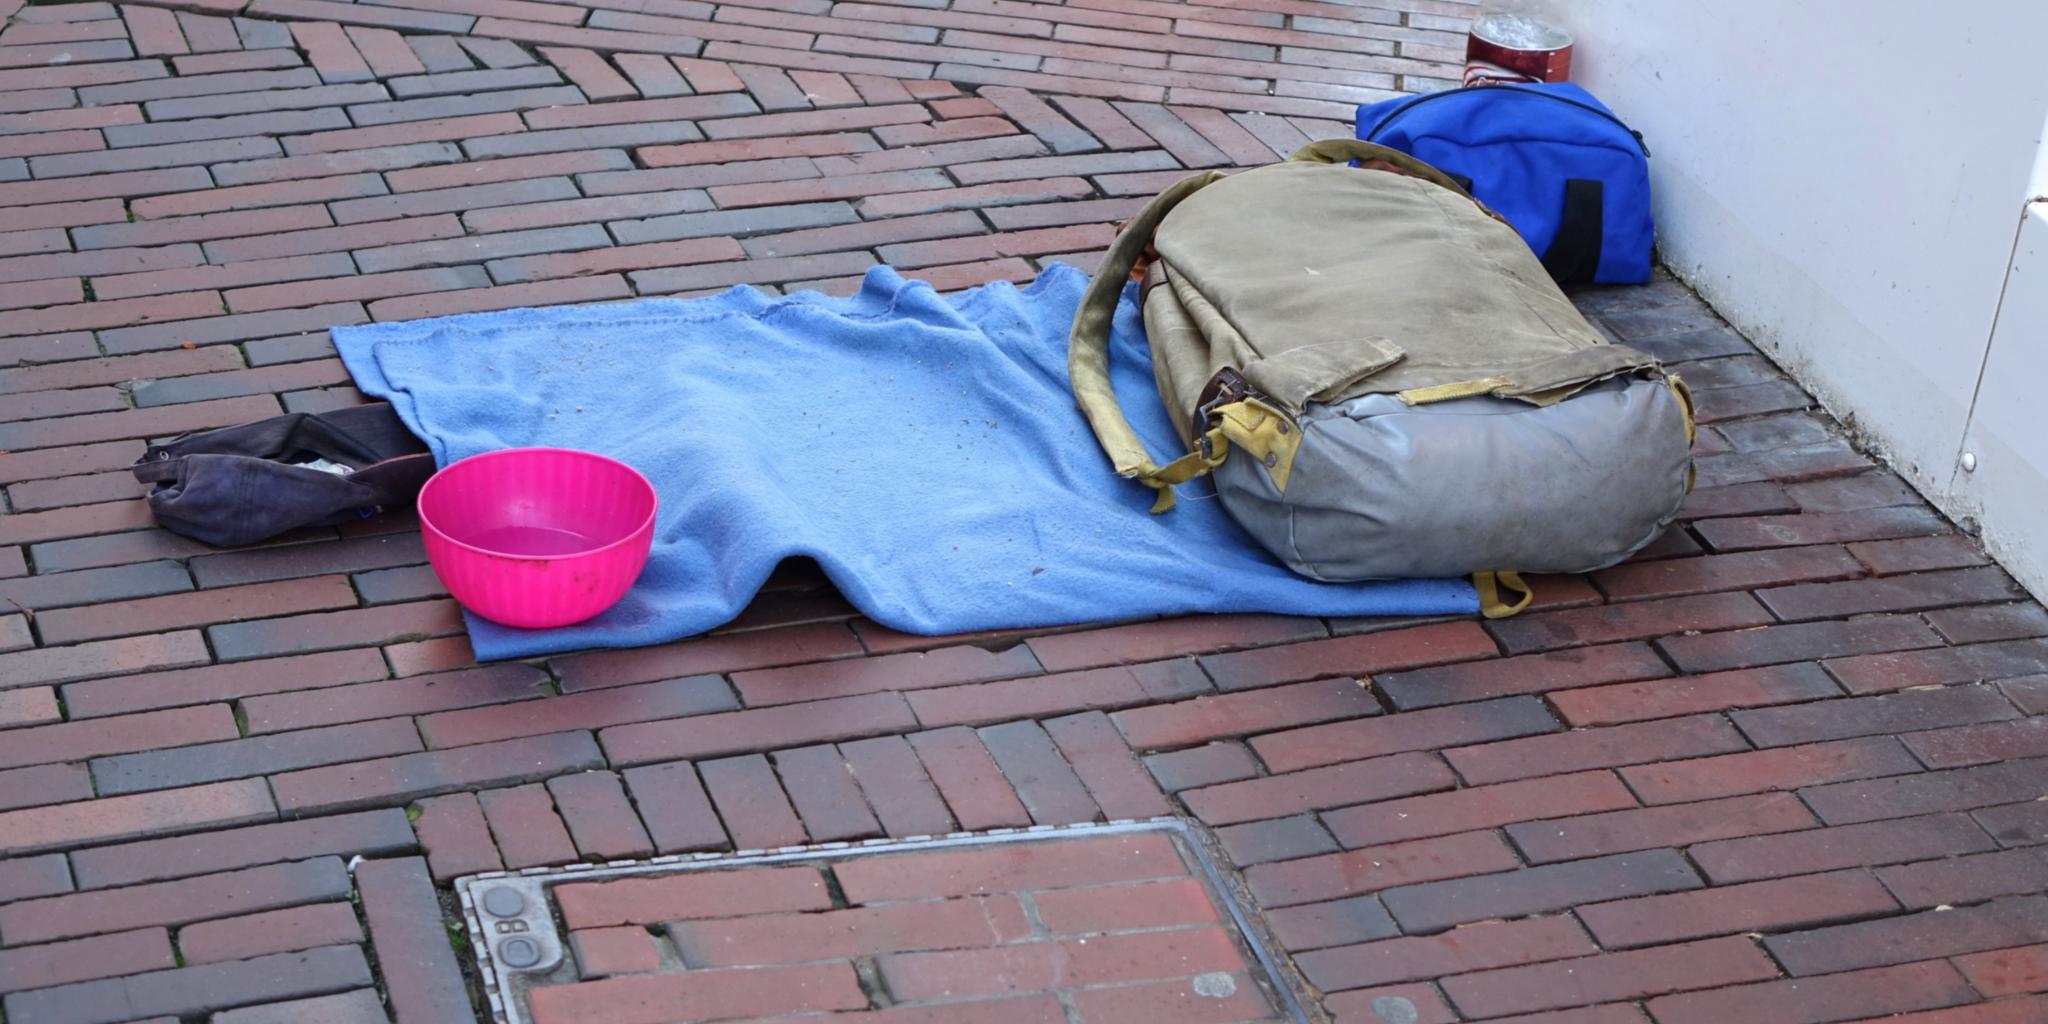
<point>1226,387</point>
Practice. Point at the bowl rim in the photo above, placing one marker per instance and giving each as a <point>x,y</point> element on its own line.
<point>645,527</point>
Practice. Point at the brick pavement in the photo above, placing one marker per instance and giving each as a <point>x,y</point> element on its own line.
<point>1784,766</point>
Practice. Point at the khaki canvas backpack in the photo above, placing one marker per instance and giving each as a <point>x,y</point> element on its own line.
<point>1383,378</point>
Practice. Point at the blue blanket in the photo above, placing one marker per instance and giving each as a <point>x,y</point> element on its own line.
<point>925,450</point>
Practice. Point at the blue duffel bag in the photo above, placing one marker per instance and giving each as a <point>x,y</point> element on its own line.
<point>1554,161</point>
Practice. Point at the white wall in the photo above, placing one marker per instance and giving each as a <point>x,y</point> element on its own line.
<point>1844,182</point>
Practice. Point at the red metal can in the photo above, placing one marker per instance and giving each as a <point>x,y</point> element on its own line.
<point>1515,47</point>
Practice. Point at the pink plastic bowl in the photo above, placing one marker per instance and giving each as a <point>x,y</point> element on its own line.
<point>537,537</point>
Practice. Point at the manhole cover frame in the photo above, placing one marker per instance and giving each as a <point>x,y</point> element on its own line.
<point>1274,974</point>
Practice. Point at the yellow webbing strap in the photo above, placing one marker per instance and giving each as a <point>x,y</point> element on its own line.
<point>1490,584</point>
<point>1455,389</point>
<point>1261,430</point>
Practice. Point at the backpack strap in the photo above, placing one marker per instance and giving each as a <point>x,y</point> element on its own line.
<point>1264,428</point>
<point>1088,351</point>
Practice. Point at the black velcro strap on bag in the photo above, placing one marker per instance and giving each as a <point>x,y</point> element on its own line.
<point>248,483</point>
<point>1574,255</point>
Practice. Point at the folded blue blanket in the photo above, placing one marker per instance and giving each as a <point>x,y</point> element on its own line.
<point>925,450</point>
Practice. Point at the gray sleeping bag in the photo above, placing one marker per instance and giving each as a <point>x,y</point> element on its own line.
<point>1407,391</point>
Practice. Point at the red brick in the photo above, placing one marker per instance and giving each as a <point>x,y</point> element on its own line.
<point>1036,966</point>
<point>369,833</point>
<point>606,951</point>
<point>1233,714</point>
<point>1955,789</point>
<point>410,776</point>
<point>1919,554</point>
<point>44,784</point>
<point>455,837</point>
<point>1434,906</point>
<point>29,706</point>
<point>103,956</point>
<point>1098,755</point>
<point>1883,842</point>
<point>1968,879</point>
<point>1974,663</point>
<point>758,729</point>
<point>77,741</point>
<point>896,786</point>
<point>114,426</point>
<point>276,931</point>
<point>328,630</point>
<point>600,818</point>
<point>1630,621</point>
<point>1531,673</point>
<point>1478,807</point>
<point>1094,861</point>
<point>1674,577</point>
<point>1419,730</point>
<point>1319,788</point>
<point>1989,622</point>
<point>673,804</point>
<point>1797,642</point>
<point>824,794</point>
<point>731,653</point>
<point>28,528</point>
<point>199,989</point>
<point>194,609</point>
<point>752,803</point>
<point>421,978</point>
<point>1046,783</point>
<point>1981,744</point>
<point>1650,827</point>
<point>1891,594</point>
<point>1906,711</point>
<point>842,934</point>
<point>420,656</point>
<point>1353,655</point>
<point>1342,922</point>
<point>751,149</point>
<point>352,554</point>
<point>335,704</point>
<point>450,175</point>
<point>1716,691</point>
<point>1595,748</point>
<point>715,995</point>
<point>1069,691</point>
<point>1821,528</point>
<point>385,52</point>
<point>529,833</point>
<point>1149,641</point>
<point>1155,904</point>
<point>1475,948</point>
<point>1201,766</point>
<point>53,462</point>
<point>1419,1003</point>
<point>27,877</point>
<point>1757,771</point>
<point>1610,976</point>
<point>961,768</point>
<point>692,896</point>
<point>1923,936</point>
<point>2007,971</point>
<point>221,682</point>
<point>1336,875</point>
<point>162,903</point>
<point>1755,907</point>
<point>973,197</point>
<point>589,710</point>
